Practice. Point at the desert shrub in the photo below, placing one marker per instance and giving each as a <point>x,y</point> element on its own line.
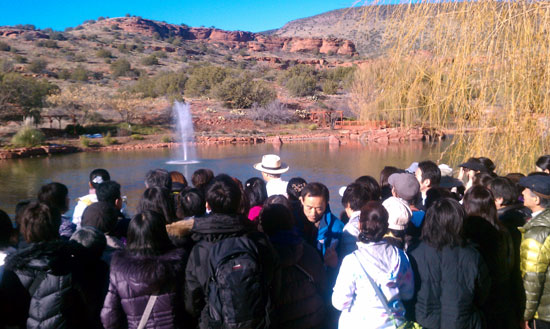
<point>312,126</point>
<point>47,44</point>
<point>301,85</point>
<point>177,41</point>
<point>120,67</point>
<point>64,74</point>
<point>80,74</point>
<point>59,36</point>
<point>109,140</point>
<point>5,65</point>
<point>169,84</point>
<point>166,139</point>
<point>137,137</point>
<point>80,58</point>
<point>204,78</point>
<point>20,59</point>
<point>103,53</point>
<point>85,141</point>
<point>275,112</point>
<point>243,92</point>
<point>28,137</point>
<point>100,18</point>
<point>329,87</point>
<point>4,46</point>
<point>37,66</point>
<point>150,60</point>
<point>340,74</point>
<point>160,54</point>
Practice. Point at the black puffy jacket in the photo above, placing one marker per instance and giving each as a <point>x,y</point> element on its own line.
<point>44,288</point>
<point>134,278</point>
<point>303,284</point>
<point>209,230</point>
<point>451,285</point>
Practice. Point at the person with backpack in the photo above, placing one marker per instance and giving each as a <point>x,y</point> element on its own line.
<point>231,275</point>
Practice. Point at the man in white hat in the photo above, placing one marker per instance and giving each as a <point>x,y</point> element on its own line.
<point>272,168</point>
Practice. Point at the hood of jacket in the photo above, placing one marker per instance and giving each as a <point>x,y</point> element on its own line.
<point>216,226</point>
<point>181,228</point>
<point>149,269</point>
<point>541,220</point>
<point>58,257</point>
<point>289,247</point>
<point>380,259</point>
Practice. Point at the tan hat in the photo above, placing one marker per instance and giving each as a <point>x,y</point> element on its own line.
<point>399,213</point>
<point>271,164</point>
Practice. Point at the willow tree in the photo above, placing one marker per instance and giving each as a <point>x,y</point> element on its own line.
<point>480,69</point>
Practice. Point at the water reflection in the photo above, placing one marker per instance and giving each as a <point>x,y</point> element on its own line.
<point>315,161</point>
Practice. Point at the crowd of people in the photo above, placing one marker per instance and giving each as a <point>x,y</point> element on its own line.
<point>417,248</point>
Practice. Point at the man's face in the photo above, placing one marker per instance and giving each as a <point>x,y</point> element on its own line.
<point>423,184</point>
<point>529,199</point>
<point>314,207</point>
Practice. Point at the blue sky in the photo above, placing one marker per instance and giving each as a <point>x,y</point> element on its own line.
<point>245,15</point>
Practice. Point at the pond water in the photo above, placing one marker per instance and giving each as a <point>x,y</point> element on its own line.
<point>334,166</point>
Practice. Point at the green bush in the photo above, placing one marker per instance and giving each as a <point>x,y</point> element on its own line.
<point>169,84</point>
<point>150,60</point>
<point>20,59</point>
<point>137,137</point>
<point>300,86</point>
<point>204,78</point>
<point>37,66</point>
<point>166,139</point>
<point>121,67</point>
<point>28,137</point>
<point>160,54</point>
<point>104,53</point>
<point>64,74</point>
<point>330,87</point>
<point>4,46</point>
<point>108,140</point>
<point>85,141</point>
<point>243,92</point>
<point>80,74</point>
<point>47,44</point>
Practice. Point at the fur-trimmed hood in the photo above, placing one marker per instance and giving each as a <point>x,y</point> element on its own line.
<point>180,228</point>
<point>214,227</point>
<point>148,272</point>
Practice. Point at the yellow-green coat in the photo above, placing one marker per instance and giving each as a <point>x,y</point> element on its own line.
<point>535,259</point>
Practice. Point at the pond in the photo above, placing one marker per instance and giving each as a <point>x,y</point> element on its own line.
<point>334,166</point>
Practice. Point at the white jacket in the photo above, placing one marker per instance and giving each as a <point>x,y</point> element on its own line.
<point>354,295</point>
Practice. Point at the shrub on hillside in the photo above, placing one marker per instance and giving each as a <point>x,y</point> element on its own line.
<point>300,86</point>
<point>4,46</point>
<point>330,87</point>
<point>80,74</point>
<point>150,60</point>
<point>28,137</point>
<point>109,140</point>
<point>103,53</point>
<point>204,78</point>
<point>275,113</point>
<point>47,44</point>
<point>37,66</point>
<point>242,92</point>
<point>120,67</point>
<point>64,74</point>
<point>169,84</point>
<point>20,59</point>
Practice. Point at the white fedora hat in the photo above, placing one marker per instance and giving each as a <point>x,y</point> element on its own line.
<point>271,164</point>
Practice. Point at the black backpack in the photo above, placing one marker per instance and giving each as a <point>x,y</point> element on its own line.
<point>237,292</point>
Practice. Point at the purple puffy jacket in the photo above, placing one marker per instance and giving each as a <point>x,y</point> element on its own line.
<point>134,278</point>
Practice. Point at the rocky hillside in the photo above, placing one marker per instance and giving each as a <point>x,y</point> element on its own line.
<point>364,30</point>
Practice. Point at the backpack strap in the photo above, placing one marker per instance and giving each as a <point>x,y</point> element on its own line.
<point>147,312</point>
<point>41,276</point>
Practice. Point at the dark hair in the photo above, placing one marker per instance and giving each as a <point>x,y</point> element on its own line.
<point>275,217</point>
<point>543,162</point>
<point>158,177</point>
<point>159,200</point>
<point>92,239</point>
<point>430,171</point>
<point>443,224</point>
<point>386,172</point>
<point>223,195</point>
<point>244,205</point>
<point>436,193</point>
<point>479,201</point>
<point>190,202</point>
<point>98,176</point>
<point>255,191</point>
<point>39,223</point>
<point>147,234</point>
<point>373,222</point>
<point>6,229</point>
<point>504,188</point>
<point>19,208</point>
<point>482,178</point>
<point>101,215</point>
<point>108,192</point>
<point>294,188</point>
<point>487,163</point>
<point>202,177</point>
<point>55,196</point>
<point>178,181</point>
<point>315,189</point>
<point>278,199</point>
<point>372,186</point>
<point>356,195</point>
